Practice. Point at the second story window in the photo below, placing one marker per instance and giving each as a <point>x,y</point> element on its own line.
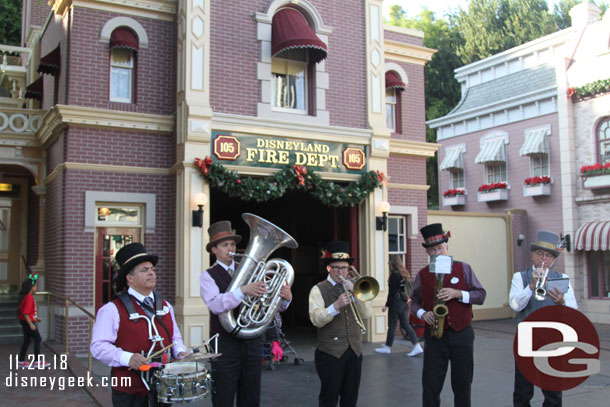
<point>453,163</point>
<point>536,146</point>
<point>456,179</point>
<point>289,81</point>
<point>394,87</point>
<point>123,51</point>
<point>495,172</point>
<point>603,139</point>
<point>540,165</point>
<point>493,156</point>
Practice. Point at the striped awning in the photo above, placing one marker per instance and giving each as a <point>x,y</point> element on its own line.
<point>492,151</point>
<point>535,142</point>
<point>593,236</point>
<point>453,159</point>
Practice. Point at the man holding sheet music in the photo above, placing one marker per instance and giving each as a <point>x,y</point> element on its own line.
<point>457,287</point>
<point>522,299</point>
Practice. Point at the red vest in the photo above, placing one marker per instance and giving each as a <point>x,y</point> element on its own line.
<point>132,336</point>
<point>460,314</point>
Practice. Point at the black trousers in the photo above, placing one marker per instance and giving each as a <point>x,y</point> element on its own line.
<point>399,311</point>
<point>524,391</point>
<point>339,378</point>
<point>28,335</point>
<point>456,347</point>
<point>237,372</point>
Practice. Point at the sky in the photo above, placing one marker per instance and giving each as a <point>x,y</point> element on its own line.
<point>439,7</point>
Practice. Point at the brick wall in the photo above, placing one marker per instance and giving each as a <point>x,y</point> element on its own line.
<point>404,38</point>
<point>89,65</point>
<point>412,104</point>
<point>235,52</point>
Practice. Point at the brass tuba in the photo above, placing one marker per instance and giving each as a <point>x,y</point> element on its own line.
<point>256,313</point>
<point>440,310</point>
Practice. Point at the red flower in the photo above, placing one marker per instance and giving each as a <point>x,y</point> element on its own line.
<point>595,169</point>
<point>492,186</point>
<point>453,192</point>
<point>537,180</point>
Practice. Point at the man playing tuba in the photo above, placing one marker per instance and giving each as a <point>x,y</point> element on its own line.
<point>238,370</point>
<point>457,291</point>
<point>524,300</point>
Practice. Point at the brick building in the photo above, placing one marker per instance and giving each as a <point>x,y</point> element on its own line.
<point>118,101</point>
<point>519,126</point>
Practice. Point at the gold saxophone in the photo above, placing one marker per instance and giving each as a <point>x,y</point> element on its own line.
<point>440,310</point>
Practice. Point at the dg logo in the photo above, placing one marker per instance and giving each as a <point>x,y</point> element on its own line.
<point>556,348</point>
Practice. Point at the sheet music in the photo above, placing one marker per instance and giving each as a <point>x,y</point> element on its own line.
<point>440,264</point>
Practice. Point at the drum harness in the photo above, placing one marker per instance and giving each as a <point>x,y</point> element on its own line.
<point>149,317</point>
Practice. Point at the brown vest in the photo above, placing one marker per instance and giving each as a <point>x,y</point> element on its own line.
<point>342,332</point>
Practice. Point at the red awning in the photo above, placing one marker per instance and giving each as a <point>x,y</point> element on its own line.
<point>34,89</point>
<point>393,81</point>
<point>123,38</point>
<point>291,30</point>
<point>51,62</point>
<point>593,236</point>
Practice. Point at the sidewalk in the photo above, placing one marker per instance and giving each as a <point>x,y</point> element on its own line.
<point>387,380</point>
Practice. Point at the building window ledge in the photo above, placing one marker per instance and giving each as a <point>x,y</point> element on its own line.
<point>596,181</point>
<point>455,200</point>
<point>494,195</point>
<point>537,190</point>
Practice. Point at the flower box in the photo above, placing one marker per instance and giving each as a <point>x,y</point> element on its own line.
<point>493,195</point>
<point>596,181</point>
<point>537,190</point>
<point>454,200</point>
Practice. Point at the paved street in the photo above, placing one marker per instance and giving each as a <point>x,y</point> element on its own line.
<point>388,380</point>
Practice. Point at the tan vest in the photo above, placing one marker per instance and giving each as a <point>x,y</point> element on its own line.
<point>342,332</point>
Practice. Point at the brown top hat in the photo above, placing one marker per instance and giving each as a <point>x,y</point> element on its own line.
<point>220,231</point>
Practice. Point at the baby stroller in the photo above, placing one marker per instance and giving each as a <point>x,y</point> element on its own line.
<point>272,334</point>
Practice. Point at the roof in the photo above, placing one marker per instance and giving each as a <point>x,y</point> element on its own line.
<point>507,87</point>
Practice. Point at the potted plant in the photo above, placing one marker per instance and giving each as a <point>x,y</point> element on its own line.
<point>496,191</point>
<point>595,176</point>
<point>536,186</point>
<point>454,197</point>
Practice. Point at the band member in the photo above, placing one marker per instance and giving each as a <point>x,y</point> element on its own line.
<point>543,253</point>
<point>338,357</point>
<point>121,337</point>
<point>459,291</point>
<point>238,370</point>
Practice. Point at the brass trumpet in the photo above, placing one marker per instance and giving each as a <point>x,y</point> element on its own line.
<point>365,289</point>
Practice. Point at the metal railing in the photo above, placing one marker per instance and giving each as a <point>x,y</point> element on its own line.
<point>67,301</point>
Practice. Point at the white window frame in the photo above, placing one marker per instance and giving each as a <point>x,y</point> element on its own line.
<point>402,251</point>
<point>545,169</point>
<point>103,223</point>
<point>116,67</point>
<point>289,63</point>
<point>493,167</point>
<point>600,141</point>
<point>457,174</point>
<point>391,100</point>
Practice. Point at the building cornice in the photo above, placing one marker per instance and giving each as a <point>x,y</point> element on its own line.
<point>106,168</point>
<point>402,30</point>
<point>156,9</point>
<point>62,115</point>
<point>413,187</point>
<point>409,53</point>
<point>414,148</point>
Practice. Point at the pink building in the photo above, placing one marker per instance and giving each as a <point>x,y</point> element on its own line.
<point>105,108</point>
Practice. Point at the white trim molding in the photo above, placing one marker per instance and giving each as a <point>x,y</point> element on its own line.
<point>148,200</point>
<point>117,22</point>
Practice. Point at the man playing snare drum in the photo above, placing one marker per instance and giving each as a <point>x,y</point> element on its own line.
<point>120,337</point>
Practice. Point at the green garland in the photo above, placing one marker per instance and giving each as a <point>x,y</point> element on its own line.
<point>589,90</point>
<point>289,178</point>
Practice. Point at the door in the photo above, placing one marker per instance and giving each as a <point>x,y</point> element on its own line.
<point>109,242</point>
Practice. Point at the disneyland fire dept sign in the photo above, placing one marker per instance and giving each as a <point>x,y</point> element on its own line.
<point>276,152</point>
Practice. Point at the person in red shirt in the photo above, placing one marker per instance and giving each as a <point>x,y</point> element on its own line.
<point>28,319</point>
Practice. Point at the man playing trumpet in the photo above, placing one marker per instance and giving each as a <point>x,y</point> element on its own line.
<point>338,357</point>
<point>528,292</point>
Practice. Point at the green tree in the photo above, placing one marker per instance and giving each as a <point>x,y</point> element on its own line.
<point>10,22</point>
<point>441,89</point>
<point>562,11</point>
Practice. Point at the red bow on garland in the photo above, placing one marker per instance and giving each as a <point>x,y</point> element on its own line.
<point>381,178</point>
<point>301,171</point>
<point>204,164</point>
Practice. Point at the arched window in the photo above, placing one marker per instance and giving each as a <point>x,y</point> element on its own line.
<point>603,141</point>
<point>394,86</point>
<point>123,51</point>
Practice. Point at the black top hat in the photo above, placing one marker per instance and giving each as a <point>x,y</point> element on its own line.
<point>548,241</point>
<point>433,235</point>
<point>220,231</point>
<point>130,256</point>
<point>336,251</point>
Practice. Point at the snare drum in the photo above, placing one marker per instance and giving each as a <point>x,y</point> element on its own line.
<point>182,382</point>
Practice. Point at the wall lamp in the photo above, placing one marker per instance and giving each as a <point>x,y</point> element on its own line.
<point>565,241</point>
<point>520,239</point>
<point>382,221</point>
<point>200,200</point>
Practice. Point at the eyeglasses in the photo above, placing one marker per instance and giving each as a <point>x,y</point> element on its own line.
<point>339,268</point>
<point>543,254</point>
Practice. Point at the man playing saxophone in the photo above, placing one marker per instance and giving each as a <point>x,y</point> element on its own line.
<point>338,357</point>
<point>528,292</point>
<point>238,371</point>
<point>457,291</point>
